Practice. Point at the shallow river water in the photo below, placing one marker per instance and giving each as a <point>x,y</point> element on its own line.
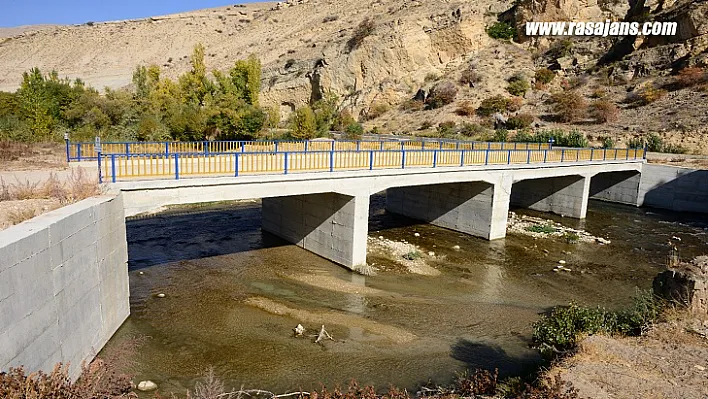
<point>233,295</point>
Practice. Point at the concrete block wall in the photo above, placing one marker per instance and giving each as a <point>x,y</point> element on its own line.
<point>63,285</point>
<point>674,188</point>
<point>564,195</point>
<point>622,187</point>
<point>465,207</point>
<point>332,225</point>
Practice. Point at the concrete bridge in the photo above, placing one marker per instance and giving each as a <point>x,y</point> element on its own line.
<point>327,213</point>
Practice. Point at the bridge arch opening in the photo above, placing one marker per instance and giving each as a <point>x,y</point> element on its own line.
<point>562,195</point>
<point>620,186</point>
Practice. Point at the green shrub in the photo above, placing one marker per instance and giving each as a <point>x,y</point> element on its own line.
<point>544,76</point>
<point>472,129</point>
<point>521,121</point>
<point>607,142</point>
<point>523,136</point>
<point>674,149</point>
<point>636,142</point>
<point>493,105</point>
<point>353,131</point>
<point>575,139</point>
<point>304,124</point>
<point>412,255</point>
<point>446,128</point>
<point>560,330</point>
<point>571,238</point>
<point>518,86</point>
<point>501,135</point>
<point>501,30</point>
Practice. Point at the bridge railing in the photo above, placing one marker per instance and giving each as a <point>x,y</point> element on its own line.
<point>86,151</point>
<point>114,167</point>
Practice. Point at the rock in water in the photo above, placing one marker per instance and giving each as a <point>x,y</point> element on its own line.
<point>299,330</point>
<point>686,283</point>
<point>146,386</point>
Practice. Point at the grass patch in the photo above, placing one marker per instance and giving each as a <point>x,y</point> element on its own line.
<point>412,255</point>
<point>542,228</point>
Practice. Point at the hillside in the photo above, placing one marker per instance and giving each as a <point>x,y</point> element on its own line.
<point>305,49</point>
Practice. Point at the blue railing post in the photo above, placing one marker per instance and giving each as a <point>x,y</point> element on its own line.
<point>371,160</point>
<point>457,145</point>
<point>127,148</point>
<point>100,172</point>
<point>435,158</point>
<point>66,141</point>
<point>462,158</point>
<point>403,147</point>
<point>176,166</point>
<point>285,163</point>
<point>276,146</point>
<point>508,158</point>
<point>358,145</point>
<point>441,144</point>
<point>236,164</point>
<point>206,147</point>
<point>167,149</point>
<point>486,157</point>
<point>306,144</point>
<point>332,145</point>
<point>562,155</point>
<point>403,157</point>
<point>78,151</point>
<point>615,154</point>
<point>644,156</point>
<point>331,161</point>
<point>113,168</point>
<point>382,146</point>
<point>604,154</point>
<point>592,153</point>
<point>577,155</point>
<point>528,155</point>
<point>422,145</point>
<point>243,146</point>
<point>545,155</point>
<point>627,155</point>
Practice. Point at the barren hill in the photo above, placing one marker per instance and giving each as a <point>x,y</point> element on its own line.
<point>305,49</point>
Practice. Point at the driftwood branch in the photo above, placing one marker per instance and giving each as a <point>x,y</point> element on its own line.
<point>323,335</point>
<point>253,392</point>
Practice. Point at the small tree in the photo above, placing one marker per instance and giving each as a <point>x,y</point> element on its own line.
<point>604,111</point>
<point>354,131</point>
<point>304,124</point>
<point>493,105</point>
<point>501,30</point>
<point>518,85</point>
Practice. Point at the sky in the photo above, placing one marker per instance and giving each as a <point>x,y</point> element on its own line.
<point>65,12</point>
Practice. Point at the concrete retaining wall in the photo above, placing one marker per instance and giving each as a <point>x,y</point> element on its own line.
<point>63,285</point>
<point>674,188</point>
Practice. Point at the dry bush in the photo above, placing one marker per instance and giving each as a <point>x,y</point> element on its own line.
<point>568,106</point>
<point>465,109</point>
<point>551,388</point>
<point>469,77</point>
<point>20,215</point>
<point>412,105</point>
<point>441,94</point>
<point>78,186</point>
<point>691,76</point>
<point>25,190</point>
<point>604,111</point>
<point>361,32</point>
<point>479,382</point>
<point>98,381</point>
<point>499,104</point>
<point>376,110</point>
<point>647,95</point>
<point>514,104</point>
<point>13,150</point>
<point>544,76</point>
<point>44,153</point>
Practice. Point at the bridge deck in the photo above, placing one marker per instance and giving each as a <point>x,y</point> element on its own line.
<point>121,167</point>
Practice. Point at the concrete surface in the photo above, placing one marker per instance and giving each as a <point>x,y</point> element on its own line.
<point>63,285</point>
<point>332,225</point>
<point>674,188</point>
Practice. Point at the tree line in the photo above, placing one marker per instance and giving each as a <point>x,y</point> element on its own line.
<point>195,106</point>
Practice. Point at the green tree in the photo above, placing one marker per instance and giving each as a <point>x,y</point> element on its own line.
<point>246,78</point>
<point>326,111</point>
<point>304,124</point>
<point>194,84</point>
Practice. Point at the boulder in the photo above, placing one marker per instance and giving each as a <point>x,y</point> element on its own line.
<point>686,284</point>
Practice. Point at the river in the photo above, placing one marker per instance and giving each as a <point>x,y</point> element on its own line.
<point>233,294</point>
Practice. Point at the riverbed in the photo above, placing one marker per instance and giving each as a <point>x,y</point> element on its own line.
<point>233,295</point>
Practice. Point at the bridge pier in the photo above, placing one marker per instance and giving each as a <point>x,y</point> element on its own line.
<point>476,208</point>
<point>563,195</point>
<point>332,225</point>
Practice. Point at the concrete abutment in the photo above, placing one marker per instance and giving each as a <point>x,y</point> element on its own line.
<point>621,187</point>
